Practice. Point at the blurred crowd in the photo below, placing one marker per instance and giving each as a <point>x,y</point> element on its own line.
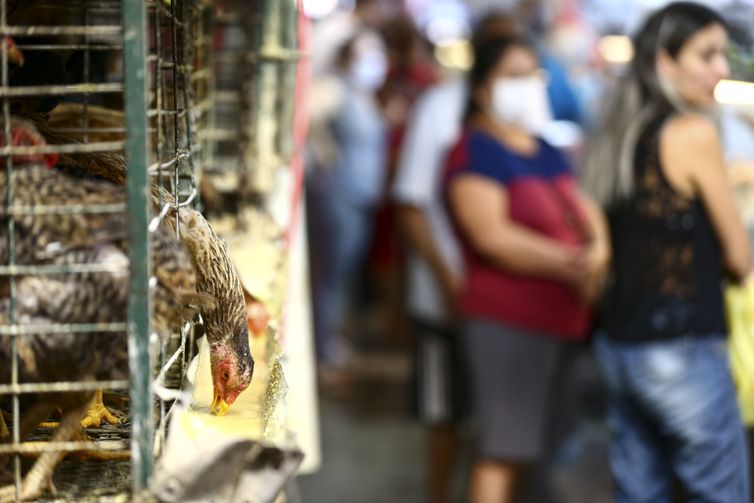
<point>550,198</point>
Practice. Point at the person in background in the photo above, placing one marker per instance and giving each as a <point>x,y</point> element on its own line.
<point>342,193</point>
<point>329,34</point>
<point>535,252</point>
<point>410,72</point>
<point>657,167</point>
<point>564,102</point>
<point>433,265</point>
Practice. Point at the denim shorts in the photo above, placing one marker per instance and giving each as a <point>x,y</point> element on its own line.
<point>672,411</point>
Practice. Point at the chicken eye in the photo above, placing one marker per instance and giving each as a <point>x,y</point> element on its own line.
<point>226,375</point>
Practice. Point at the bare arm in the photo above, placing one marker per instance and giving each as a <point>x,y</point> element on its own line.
<point>418,232</point>
<point>691,143</point>
<point>481,210</point>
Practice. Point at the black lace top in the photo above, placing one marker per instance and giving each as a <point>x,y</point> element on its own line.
<point>667,266</point>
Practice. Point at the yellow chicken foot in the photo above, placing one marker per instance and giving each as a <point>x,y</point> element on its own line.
<point>48,424</point>
<point>95,415</point>
<point>98,412</point>
<point>4,433</point>
<point>39,478</point>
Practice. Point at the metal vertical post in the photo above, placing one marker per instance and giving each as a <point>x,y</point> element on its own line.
<point>289,69</point>
<point>266,102</point>
<point>134,55</point>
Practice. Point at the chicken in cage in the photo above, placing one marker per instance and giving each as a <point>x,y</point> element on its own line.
<point>64,282</point>
<point>225,325</point>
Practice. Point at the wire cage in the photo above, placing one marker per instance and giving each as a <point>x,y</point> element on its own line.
<point>275,62</point>
<point>226,135</point>
<point>177,55</point>
<point>171,86</point>
<point>249,133</point>
<point>222,82</point>
<point>271,175</point>
<point>92,71</point>
<point>247,144</point>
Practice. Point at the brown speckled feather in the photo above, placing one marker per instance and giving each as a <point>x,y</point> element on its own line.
<point>216,276</point>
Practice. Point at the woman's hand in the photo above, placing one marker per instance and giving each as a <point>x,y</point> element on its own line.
<point>584,270</point>
<point>596,261</point>
<point>571,265</point>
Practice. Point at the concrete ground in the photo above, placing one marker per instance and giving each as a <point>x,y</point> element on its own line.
<point>374,451</point>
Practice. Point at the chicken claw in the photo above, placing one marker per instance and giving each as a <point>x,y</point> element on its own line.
<point>98,412</point>
<point>39,478</point>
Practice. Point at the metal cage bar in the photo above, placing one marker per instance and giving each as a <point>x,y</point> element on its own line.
<point>11,256</point>
<point>170,95</point>
<point>274,62</point>
<point>174,168</point>
<point>134,56</point>
<point>10,271</point>
<point>221,80</point>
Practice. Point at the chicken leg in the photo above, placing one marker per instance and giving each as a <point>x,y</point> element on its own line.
<point>39,478</point>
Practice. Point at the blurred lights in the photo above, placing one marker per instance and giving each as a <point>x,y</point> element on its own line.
<point>455,55</point>
<point>317,9</point>
<point>616,49</point>
<point>735,92</point>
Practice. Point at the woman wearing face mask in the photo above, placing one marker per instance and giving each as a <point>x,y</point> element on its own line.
<point>534,250</point>
<point>658,169</point>
<point>342,195</point>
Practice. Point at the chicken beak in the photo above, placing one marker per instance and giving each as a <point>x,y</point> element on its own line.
<point>219,406</point>
<point>15,55</point>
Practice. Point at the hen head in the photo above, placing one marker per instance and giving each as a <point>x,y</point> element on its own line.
<point>15,56</point>
<point>232,368</point>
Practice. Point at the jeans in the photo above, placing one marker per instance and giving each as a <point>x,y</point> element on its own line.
<point>339,235</point>
<point>672,411</point>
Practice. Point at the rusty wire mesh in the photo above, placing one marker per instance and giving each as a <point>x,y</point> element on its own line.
<point>221,83</point>
<point>177,62</point>
<point>89,34</point>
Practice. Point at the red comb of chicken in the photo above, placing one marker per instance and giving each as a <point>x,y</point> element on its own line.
<point>21,136</point>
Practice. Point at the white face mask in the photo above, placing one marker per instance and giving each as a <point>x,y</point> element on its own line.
<point>369,70</point>
<point>521,102</point>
